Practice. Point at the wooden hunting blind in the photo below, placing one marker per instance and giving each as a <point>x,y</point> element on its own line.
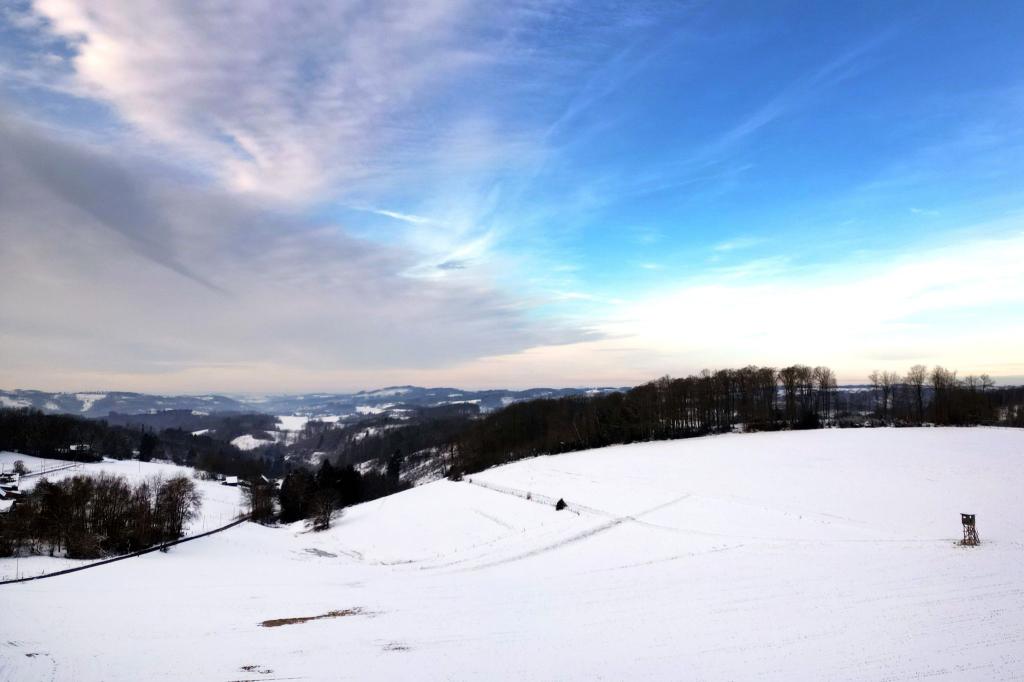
<point>970,530</point>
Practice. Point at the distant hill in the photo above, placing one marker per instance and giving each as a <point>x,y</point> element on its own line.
<point>100,404</point>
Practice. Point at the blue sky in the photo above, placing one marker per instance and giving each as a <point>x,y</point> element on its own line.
<point>335,195</point>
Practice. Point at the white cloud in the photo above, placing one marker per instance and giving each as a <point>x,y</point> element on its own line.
<point>938,306</point>
<point>909,307</point>
<point>110,271</point>
<point>404,217</point>
<point>282,99</point>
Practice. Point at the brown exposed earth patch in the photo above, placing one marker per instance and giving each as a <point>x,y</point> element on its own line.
<point>277,622</point>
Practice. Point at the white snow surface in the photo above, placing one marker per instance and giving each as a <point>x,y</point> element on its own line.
<point>249,442</point>
<point>291,422</point>
<point>373,409</point>
<point>816,555</point>
<point>88,399</point>
<point>296,422</point>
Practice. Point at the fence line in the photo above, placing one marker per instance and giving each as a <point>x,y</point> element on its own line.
<point>534,497</point>
<point>132,555</point>
<point>43,472</point>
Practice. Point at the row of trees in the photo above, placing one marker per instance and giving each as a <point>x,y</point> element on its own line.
<point>939,396</point>
<point>752,398</point>
<point>304,495</point>
<point>48,435</point>
<point>89,516</point>
<point>759,398</point>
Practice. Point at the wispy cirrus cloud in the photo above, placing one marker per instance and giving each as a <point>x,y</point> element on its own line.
<point>289,100</point>
<point>404,217</point>
<point>738,243</point>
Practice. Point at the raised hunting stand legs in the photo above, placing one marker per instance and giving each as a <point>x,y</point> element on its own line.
<point>970,530</point>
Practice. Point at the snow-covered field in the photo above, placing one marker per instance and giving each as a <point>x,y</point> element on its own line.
<point>220,505</point>
<point>249,442</point>
<point>819,555</point>
<point>294,422</point>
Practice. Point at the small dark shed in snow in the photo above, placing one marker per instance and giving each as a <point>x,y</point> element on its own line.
<point>560,505</point>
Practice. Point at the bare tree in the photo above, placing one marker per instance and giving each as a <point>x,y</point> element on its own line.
<point>826,382</point>
<point>943,382</point>
<point>323,509</point>
<point>889,381</point>
<point>916,379</point>
<point>876,385</point>
<point>177,502</point>
<point>789,377</point>
<point>259,497</point>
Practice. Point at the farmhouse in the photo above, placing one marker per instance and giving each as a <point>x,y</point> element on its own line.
<point>9,486</point>
<point>76,449</point>
<point>9,493</point>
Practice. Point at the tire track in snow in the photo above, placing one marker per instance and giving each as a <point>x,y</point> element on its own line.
<point>674,557</point>
<point>572,506</point>
<point>578,508</point>
<point>550,547</point>
<point>495,519</point>
<point>578,537</point>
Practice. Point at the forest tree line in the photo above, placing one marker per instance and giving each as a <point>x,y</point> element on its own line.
<point>86,517</point>
<point>49,436</point>
<point>316,497</point>
<point>752,398</point>
<point>939,396</point>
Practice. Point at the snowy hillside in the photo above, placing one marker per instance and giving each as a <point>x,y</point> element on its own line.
<point>781,556</point>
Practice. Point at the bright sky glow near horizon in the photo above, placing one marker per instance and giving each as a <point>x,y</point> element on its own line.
<point>333,195</point>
